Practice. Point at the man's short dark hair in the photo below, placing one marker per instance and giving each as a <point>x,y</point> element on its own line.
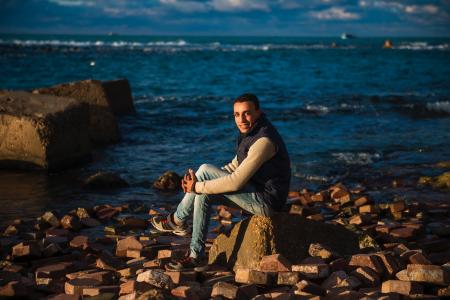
<point>247,97</point>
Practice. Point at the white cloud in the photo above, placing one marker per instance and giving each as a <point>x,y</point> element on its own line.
<point>186,6</point>
<point>334,13</point>
<point>400,7</point>
<point>73,2</point>
<point>242,5</point>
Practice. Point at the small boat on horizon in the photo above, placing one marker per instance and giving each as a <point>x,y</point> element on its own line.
<point>346,36</point>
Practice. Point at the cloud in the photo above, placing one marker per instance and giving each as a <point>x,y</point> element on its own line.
<point>186,6</point>
<point>334,13</point>
<point>73,2</point>
<point>239,5</point>
<point>400,7</point>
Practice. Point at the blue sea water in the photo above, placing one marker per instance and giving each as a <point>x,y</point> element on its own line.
<point>353,112</point>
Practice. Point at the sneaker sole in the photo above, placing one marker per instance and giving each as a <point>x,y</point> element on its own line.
<point>179,233</point>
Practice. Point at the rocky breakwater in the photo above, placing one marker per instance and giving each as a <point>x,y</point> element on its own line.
<point>394,250</point>
<point>106,100</point>
<point>40,131</point>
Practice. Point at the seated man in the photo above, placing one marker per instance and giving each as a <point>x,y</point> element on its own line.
<point>257,180</point>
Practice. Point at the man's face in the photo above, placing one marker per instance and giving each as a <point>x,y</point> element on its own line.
<point>245,115</point>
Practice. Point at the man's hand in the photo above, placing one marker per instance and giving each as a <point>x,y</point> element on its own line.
<point>188,182</point>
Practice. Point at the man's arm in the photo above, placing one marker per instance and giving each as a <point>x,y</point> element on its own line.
<point>260,152</point>
<point>232,166</point>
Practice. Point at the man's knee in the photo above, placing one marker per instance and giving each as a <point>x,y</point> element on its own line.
<point>204,169</point>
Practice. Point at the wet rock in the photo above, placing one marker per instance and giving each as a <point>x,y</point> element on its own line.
<point>439,182</point>
<point>71,222</point>
<point>51,219</point>
<point>42,131</point>
<point>319,250</point>
<point>168,181</point>
<point>104,180</point>
<point>26,250</point>
<point>102,103</point>
<point>156,278</point>
<point>283,234</point>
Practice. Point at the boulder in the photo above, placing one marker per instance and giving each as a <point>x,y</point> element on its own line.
<point>42,131</point>
<point>286,234</point>
<point>168,181</point>
<point>104,100</point>
<point>104,180</point>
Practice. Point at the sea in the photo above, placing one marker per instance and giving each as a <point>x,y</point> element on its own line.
<point>349,111</point>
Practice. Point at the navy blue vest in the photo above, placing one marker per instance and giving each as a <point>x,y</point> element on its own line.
<point>273,177</point>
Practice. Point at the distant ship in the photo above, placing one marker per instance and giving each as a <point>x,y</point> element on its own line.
<point>112,33</point>
<point>346,36</point>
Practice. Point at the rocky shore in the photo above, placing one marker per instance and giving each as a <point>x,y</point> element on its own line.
<point>329,244</point>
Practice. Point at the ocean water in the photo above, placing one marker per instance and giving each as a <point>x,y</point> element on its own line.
<point>353,113</point>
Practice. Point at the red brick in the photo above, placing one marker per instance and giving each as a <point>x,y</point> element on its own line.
<point>251,276</point>
<point>419,258</point>
<point>367,260</point>
<point>102,289</point>
<point>287,278</point>
<point>26,249</point>
<point>369,209</point>
<point>305,286</point>
<point>77,285</point>
<point>80,241</point>
<point>104,277</point>
<point>362,201</point>
<point>334,279</point>
<point>181,277</point>
<point>312,271</point>
<point>108,262</point>
<point>129,243</point>
<point>51,219</point>
<point>405,233</point>
<point>397,206</point>
<point>134,223</point>
<point>401,287</point>
<point>172,253</point>
<point>156,278</point>
<point>53,271</point>
<point>70,222</point>
<point>274,263</point>
<point>225,289</point>
<point>360,219</point>
<point>367,276</point>
<point>390,263</point>
<point>13,289</point>
<point>185,292</point>
<point>428,273</point>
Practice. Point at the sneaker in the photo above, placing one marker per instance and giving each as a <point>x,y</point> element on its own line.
<point>187,263</point>
<point>165,224</point>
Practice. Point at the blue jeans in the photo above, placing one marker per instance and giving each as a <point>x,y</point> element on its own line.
<point>200,206</point>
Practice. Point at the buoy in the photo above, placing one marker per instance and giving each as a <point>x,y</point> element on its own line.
<point>92,63</point>
<point>387,44</point>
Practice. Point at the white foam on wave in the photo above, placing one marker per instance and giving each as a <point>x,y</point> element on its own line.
<point>440,106</point>
<point>421,46</point>
<point>321,109</point>
<point>360,158</point>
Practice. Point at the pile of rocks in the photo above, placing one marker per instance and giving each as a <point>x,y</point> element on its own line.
<point>108,252</point>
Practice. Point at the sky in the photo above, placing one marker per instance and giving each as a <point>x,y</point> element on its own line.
<point>227,17</point>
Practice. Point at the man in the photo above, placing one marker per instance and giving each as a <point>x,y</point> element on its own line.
<point>257,180</point>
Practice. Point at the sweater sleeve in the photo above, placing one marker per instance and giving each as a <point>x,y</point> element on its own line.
<point>260,152</point>
<point>232,166</point>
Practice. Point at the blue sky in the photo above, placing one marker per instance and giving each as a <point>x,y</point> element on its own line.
<point>227,17</point>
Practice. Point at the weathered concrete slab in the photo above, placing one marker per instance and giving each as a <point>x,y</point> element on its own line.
<point>105,99</point>
<point>42,131</point>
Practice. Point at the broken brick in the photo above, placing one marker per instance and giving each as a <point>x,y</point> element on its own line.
<point>367,260</point>
<point>312,271</point>
<point>428,273</point>
<point>401,287</point>
<point>274,263</point>
<point>251,276</point>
